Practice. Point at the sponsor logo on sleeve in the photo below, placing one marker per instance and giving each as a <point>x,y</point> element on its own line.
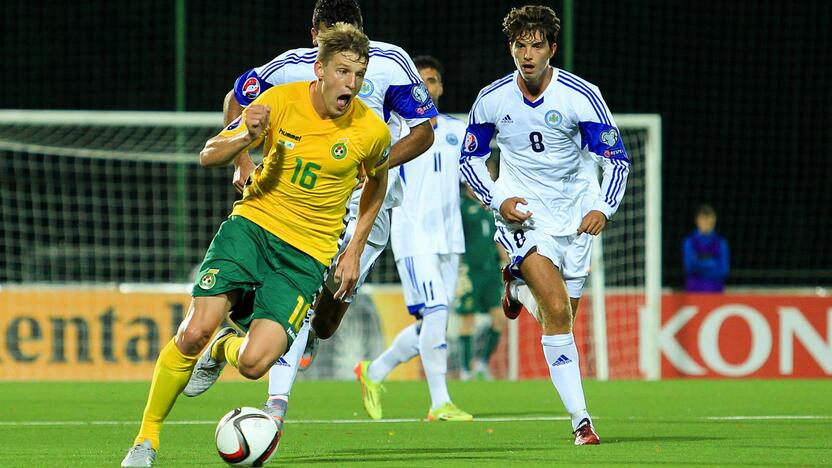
<point>471,142</point>
<point>367,88</point>
<point>420,93</point>
<point>235,123</point>
<point>251,88</point>
<point>553,118</point>
<point>452,139</point>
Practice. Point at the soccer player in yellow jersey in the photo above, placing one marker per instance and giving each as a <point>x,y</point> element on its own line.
<point>283,234</point>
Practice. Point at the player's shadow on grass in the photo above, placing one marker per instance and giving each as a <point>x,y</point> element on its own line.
<point>624,440</point>
<point>520,414</point>
<point>431,454</point>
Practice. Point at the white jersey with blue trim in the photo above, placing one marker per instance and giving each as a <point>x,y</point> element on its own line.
<point>429,221</point>
<point>392,88</point>
<point>550,150</point>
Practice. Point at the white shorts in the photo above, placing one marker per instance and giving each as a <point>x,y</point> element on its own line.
<point>428,281</point>
<point>570,254</point>
<point>376,243</point>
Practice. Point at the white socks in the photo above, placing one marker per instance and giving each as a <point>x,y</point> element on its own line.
<point>283,373</point>
<point>564,369</point>
<point>433,348</point>
<point>404,348</point>
<point>430,344</point>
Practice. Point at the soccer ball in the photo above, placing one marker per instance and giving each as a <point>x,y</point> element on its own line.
<point>247,437</point>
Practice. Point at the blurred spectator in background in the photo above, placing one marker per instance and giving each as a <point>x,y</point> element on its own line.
<point>706,256</point>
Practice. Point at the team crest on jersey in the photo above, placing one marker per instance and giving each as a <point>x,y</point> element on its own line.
<point>367,88</point>
<point>339,150</point>
<point>452,139</point>
<point>610,137</point>
<point>471,142</point>
<point>235,123</point>
<point>420,93</point>
<point>553,118</point>
<point>251,89</point>
<point>209,279</point>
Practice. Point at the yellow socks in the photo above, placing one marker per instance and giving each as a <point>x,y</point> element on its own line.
<point>230,348</point>
<point>172,372</point>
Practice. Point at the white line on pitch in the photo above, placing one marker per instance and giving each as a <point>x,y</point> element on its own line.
<point>414,420</point>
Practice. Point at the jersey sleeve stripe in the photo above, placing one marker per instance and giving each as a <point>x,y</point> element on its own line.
<point>474,181</point>
<point>397,58</point>
<point>411,272</point>
<point>591,102</point>
<point>615,185</point>
<point>582,88</point>
<point>486,91</point>
<point>282,63</point>
<point>508,248</point>
<point>586,86</point>
<point>507,244</point>
<point>278,62</point>
<point>609,197</point>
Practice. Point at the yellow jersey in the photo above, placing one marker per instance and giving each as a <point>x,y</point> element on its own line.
<point>309,169</point>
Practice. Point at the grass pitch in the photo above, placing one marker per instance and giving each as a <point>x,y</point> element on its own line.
<point>693,422</point>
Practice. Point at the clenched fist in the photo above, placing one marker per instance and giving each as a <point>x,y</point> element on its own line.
<point>257,116</point>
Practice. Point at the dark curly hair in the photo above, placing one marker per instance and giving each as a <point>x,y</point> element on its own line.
<point>530,19</point>
<point>330,12</point>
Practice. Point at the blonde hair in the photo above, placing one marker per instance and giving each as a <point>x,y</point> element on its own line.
<point>342,37</point>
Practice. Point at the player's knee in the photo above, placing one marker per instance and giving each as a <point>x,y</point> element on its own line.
<point>252,369</point>
<point>558,313</point>
<point>192,339</point>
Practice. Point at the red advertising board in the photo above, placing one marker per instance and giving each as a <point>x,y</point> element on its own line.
<point>705,336</point>
<point>710,335</point>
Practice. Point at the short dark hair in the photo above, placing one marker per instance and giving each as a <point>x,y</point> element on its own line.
<point>705,210</point>
<point>330,12</point>
<point>428,61</point>
<point>531,19</point>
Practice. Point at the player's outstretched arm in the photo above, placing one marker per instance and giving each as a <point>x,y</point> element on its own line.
<point>415,143</point>
<point>243,165</point>
<point>347,270</point>
<point>223,148</point>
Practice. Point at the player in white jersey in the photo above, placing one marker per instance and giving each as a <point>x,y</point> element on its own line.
<point>550,126</point>
<point>427,241</point>
<point>393,89</point>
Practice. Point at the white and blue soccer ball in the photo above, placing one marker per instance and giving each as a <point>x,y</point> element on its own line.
<point>247,437</point>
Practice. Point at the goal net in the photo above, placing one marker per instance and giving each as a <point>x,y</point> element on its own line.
<point>107,197</point>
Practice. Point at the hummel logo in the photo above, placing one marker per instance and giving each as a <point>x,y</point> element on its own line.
<point>561,361</point>
<point>506,119</point>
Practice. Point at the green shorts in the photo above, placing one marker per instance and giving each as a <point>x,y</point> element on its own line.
<point>243,256</point>
<point>478,290</point>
